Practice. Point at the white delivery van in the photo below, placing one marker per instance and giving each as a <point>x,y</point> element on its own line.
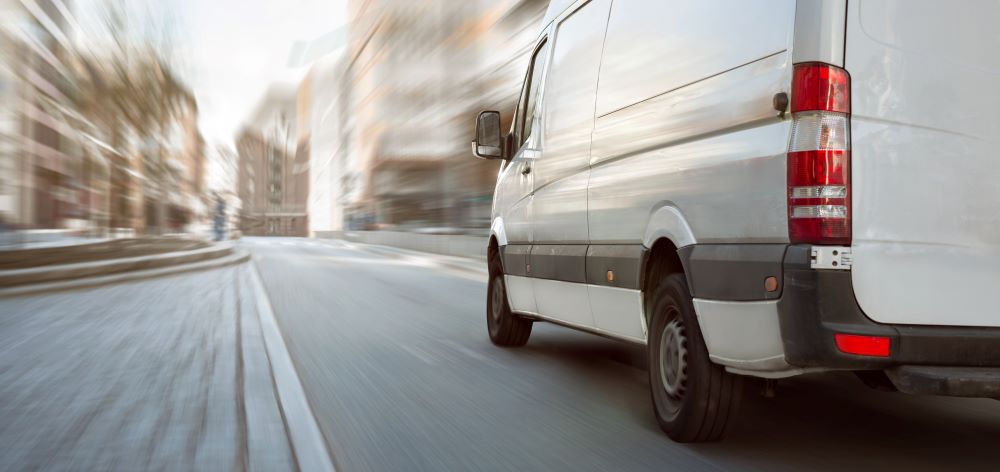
<point>757,188</point>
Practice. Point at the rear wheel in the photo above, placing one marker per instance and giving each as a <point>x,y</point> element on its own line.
<point>692,397</point>
<point>506,328</point>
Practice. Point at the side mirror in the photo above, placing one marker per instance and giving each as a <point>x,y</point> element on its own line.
<point>488,144</point>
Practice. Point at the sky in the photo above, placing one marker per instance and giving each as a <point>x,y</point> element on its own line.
<point>239,47</point>
<point>231,51</point>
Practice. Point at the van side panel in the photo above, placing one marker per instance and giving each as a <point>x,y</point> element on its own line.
<point>714,150</point>
<point>713,146</point>
<point>926,174</point>
<point>819,31</point>
<point>562,171</point>
<point>656,47</point>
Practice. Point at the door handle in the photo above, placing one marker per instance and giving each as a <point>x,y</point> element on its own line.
<point>526,170</point>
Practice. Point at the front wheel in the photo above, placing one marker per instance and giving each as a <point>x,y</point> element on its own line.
<point>692,397</point>
<point>506,328</point>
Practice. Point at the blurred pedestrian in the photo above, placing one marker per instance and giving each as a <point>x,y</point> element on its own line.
<point>219,225</point>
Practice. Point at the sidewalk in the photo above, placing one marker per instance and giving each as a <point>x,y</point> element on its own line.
<point>170,373</point>
<point>49,269</point>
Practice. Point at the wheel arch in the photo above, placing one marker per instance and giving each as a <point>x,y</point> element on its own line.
<point>661,260</point>
<point>498,232</point>
<point>666,232</point>
<point>497,240</point>
<point>493,256</point>
<point>667,222</point>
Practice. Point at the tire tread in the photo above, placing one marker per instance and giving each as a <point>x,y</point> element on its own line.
<point>513,330</point>
<point>702,419</point>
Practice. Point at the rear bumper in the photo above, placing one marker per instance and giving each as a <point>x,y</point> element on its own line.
<point>817,304</point>
<point>950,381</point>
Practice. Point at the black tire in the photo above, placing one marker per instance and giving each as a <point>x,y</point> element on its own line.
<point>693,398</point>
<point>506,329</point>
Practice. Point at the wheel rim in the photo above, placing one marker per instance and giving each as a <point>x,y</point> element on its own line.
<point>496,301</point>
<point>673,359</point>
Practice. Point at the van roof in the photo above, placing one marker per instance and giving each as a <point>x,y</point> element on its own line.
<point>556,7</point>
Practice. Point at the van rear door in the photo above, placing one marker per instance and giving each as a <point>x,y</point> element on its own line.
<point>926,171</point>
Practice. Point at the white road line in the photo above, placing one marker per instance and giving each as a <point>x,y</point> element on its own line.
<point>307,440</point>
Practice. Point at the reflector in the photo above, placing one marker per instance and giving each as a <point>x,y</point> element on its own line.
<point>872,346</point>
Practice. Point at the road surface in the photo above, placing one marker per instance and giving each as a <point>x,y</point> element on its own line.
<point>394,357</point>
<point>161,374</point>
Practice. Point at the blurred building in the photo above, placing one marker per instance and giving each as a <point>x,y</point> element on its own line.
<point>187,200</point>
<point>69,155</point>
<point>45,183</point>
<point>386,114</point>
<point>392,121</point>
<point>324,124</point>
<point>409,68</point>
<point>9,122</point>
<point>273,175</point>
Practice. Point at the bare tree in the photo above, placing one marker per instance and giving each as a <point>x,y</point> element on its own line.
<point>129,85</point>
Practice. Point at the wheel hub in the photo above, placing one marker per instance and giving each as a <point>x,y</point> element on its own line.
<point>673,358</point>
<point>496,301</point>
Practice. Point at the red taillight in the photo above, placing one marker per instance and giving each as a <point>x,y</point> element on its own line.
<point>820,87</point>
<point>872,346</point>
<point>819,156</point>
<point>818,196</point>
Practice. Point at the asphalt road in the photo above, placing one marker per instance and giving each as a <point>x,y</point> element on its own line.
<point>396,363</point>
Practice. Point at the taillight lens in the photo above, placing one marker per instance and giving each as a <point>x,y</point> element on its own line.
<point>819,156</point>
<point>820,87</point>
<point>873,346</point>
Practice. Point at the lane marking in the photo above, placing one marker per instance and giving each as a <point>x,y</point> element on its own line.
<point>308,445</point>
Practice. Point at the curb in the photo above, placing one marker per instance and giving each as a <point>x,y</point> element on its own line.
<point>85,244</point>
<point>308,445</point>
<point>234,258</point>
<point>99,243</point>
<point>57,273</point>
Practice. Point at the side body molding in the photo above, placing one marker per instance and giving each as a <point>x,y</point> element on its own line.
<point>668,222</point>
